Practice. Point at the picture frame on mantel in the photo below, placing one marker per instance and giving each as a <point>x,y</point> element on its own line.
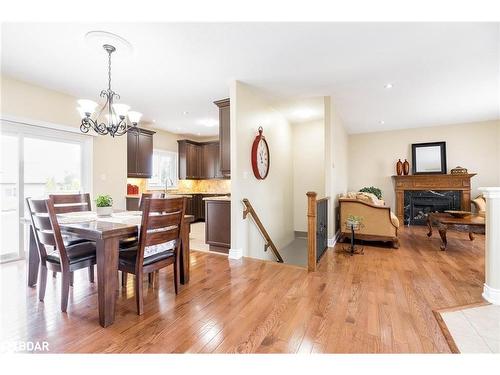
<point>429,158</point>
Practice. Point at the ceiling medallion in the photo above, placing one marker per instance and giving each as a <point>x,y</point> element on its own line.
<point>112,117</point>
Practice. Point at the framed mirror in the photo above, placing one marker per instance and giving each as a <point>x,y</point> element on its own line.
<point>429,158</point>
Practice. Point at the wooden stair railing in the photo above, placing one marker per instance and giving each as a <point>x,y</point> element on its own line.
<point>315,231</point>
<point>269,243</point>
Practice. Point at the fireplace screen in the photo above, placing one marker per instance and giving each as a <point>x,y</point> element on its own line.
<point>417,204</point>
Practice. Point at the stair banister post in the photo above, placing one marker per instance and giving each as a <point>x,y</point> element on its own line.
<point>311,231</point>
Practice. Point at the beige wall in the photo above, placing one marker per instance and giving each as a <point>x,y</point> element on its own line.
<point>475,146</point>
<point>308,167</point>
<point>109,161</point>
<point>272,198</point>
<point>336,161</point>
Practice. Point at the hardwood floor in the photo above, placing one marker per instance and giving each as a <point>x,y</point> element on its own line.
<point>382,301</point>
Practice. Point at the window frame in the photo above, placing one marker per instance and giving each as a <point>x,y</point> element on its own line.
<point>156,186</point>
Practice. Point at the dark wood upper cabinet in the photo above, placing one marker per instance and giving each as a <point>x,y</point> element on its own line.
<point>224,136</point>
<point>139,153</point>
<point>199,161</point>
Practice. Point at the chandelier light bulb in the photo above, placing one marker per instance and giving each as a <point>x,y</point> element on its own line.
<point>88,106</point>
<point>121,109</point>
<point>81,112</point>
<point>134,117</point>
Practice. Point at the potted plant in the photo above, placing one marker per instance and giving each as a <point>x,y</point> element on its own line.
<point>104,204</point>
<point>354,222</point>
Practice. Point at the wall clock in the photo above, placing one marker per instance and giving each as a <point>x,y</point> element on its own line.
<point>260,156</point>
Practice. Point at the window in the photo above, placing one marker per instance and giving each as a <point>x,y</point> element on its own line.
<point>35,162</point>
<point>164,170</point>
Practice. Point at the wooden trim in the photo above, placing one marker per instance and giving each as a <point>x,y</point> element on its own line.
<point>269,243</point>
<point>446,333</point>
<point>311,231</point>
<point>444,328</point>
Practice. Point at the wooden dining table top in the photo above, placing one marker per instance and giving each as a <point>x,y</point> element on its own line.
<point>104,227</point>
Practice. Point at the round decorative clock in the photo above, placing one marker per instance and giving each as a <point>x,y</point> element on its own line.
<point>260,156</point>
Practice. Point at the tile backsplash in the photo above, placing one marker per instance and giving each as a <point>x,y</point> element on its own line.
<point>190,186</point>
<point>204,186</point>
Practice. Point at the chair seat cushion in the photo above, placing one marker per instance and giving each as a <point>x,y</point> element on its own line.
<point>76,253</point>
<point>128,242</point>
<point>74,241</point>
<point>128,256</point>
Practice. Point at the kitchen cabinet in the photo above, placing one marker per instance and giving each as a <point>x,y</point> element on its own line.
<point>218,224</point>
<point>224,136</point>
<point>139,153</point>
<point>199,160</point>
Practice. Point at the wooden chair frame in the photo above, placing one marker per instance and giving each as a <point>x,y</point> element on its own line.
<point>166,224</point>
<point>47,232</point>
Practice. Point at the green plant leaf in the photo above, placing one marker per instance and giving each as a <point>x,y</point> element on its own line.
<point>104,201</point>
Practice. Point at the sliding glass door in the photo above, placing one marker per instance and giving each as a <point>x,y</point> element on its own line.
<point>35,163</point>
<point>9,197</point>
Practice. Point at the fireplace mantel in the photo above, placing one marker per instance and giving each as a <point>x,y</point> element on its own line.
<point>459,182</point>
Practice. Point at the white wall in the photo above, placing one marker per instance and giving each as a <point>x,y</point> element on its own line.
<point>271,198</point>
<point>336,156</point>
<point>308,141</point>
<point>475,146</point>
<point>28,101</point>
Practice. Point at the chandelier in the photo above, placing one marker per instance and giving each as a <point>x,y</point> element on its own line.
<point>112,117</point>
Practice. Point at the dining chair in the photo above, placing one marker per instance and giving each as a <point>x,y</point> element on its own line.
<point>132,241</point>
<point>54,254</point>
<point>158,245</point>
<point>66,203</point>
<point>155,194</point>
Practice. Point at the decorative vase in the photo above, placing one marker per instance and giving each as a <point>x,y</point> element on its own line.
<point>399,167</point>
<point>104,211</point>
<point>406,168</point>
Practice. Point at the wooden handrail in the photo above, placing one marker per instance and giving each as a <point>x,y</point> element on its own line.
<point>312,205</point>
<point>269,243</point>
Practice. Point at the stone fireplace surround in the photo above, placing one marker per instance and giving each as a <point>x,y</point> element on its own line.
<point>432,182</point>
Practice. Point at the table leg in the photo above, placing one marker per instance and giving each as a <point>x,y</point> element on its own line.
<point>107,275</point>
<point>442,233</point>
<point>33,260</point>
<point>471,236</point>
<point>429,224</point>
<point>185,255</point>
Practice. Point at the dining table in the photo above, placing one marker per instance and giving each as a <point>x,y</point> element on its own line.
<point>107,233</point>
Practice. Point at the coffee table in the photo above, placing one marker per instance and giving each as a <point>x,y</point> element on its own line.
<point>470,224</point>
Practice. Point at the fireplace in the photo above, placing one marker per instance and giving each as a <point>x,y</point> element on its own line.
<point>418,203</point>
<point>457,185</point>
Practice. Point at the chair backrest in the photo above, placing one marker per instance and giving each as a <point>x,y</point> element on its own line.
<point>162,221</point>
<point>64,203</point>
<point>156,194</point>
<point>46,228</point>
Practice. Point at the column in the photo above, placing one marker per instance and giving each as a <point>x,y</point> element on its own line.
<point>491,291</point>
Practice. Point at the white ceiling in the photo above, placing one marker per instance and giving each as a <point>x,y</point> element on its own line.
<point>441,72</point>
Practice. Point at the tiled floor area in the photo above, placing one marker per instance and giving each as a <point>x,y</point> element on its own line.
<point>475,330</point>
<point>197,237</point>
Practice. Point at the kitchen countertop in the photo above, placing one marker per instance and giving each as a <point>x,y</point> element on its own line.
<point>219,198</point>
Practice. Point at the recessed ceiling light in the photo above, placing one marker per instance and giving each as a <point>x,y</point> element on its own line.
<point>382,122</point>
<point>208,122</point>
<point>304,113</point>
<point>185,113</point>
<point>154,120</point>
<point>388,85</point>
